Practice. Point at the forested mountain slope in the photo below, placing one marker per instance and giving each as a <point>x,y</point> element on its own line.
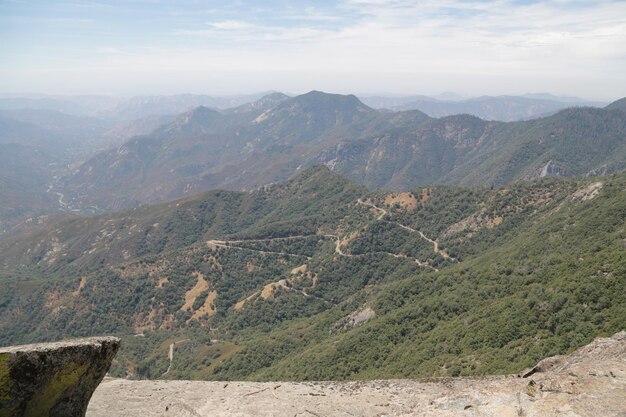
<point>319,278</point>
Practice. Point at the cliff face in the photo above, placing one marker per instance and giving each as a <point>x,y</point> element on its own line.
<point>53,379</point>
<point>589,382</point>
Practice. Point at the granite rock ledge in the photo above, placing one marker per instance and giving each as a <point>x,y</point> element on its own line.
<point>589,382</point>
<point>53,379</point>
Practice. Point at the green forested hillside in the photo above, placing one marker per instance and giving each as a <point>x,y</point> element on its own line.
<point>317,278</point>
<point>540,292</point>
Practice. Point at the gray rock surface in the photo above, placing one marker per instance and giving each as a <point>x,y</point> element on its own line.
<point>53,379</point>
<point>588,382</point>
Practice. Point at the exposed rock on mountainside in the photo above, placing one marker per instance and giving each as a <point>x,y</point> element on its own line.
<point>53,379</point>
<point>588,382</point>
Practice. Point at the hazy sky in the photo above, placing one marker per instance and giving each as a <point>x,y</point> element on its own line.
<point>357,46</point>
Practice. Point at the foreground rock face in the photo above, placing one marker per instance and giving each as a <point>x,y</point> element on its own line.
<point>589,382</point>
<point>53,379</point>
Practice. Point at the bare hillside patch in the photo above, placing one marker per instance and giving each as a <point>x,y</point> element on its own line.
<point>192,294</point>
<point>406,201</point>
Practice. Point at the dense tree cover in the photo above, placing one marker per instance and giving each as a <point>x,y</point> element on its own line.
<point>539,270</point>
<point>546,291</point>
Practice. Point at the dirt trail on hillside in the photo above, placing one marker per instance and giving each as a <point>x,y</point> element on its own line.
<point>381,210</point>
<point>589,382</point>
<point>170,354</point>
<point>231,244</point>
<point>433,242</point>
<point>228,245</point>
<point>384,212</point>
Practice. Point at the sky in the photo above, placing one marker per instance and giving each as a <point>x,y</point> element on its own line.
<point>352,46</point>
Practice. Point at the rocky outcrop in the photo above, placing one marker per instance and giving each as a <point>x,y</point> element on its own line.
<point>551,169</point>
<point>588,382</point>
<point>356,318</point>
<point>53,379</point>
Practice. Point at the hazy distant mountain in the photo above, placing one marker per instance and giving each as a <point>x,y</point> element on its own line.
<point>392,103</point>
<point>563,99</point>
<point>140,107</point>
<point>264,103</point>
<point>41,104</point>
<point>30,156</point>
<point>126,129</point>
<point>123,109</point>
<point>75,105</point>
<point>38,146</point>
<point>306,117</point>
<point>470,151</point>
<point>267,142</point>
<point>501,108</point>
<point>617,105</point>
<point>204,148</point>
<point>25,173</point>
<point>23,133</point>
<point>85,132</point>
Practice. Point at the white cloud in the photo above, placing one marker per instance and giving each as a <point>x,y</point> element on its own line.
<point>231,25</point>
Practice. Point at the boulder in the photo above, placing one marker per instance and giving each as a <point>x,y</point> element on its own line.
<point>53,379</point>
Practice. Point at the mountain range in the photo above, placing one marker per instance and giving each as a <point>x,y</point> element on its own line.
<point>85,163</point>
<point>39,146</point>
<point>267,141</point>
<point>120,108</point>
<point>500,108</point>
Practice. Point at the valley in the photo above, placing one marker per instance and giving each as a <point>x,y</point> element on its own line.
<point>98,161</point>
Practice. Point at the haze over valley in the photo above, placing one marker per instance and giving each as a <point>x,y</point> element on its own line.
<point>101,158</point>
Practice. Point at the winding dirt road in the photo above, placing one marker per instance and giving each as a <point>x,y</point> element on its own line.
<point>384,212</point>
<point>231,244</point>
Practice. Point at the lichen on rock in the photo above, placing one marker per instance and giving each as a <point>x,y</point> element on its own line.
<point>53,379</point>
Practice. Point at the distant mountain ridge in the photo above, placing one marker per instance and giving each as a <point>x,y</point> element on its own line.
<point>142,106</point>
<point>88,163</point>
<point>499,108</point>
<point>124,109</point>
<point>267,141</point>
<point>617,105</point>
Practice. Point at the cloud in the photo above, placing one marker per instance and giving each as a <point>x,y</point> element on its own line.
<point>110,50</point>
<point>231,25</point>
<point>310,14</point>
